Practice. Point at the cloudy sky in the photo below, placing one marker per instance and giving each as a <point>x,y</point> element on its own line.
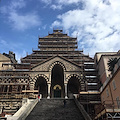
<point>95,23</point>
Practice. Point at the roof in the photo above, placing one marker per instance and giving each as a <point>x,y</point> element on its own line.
<point>99,55</point>
<point>3,58</point>
<point>57,33</point>
<point>53,58</point>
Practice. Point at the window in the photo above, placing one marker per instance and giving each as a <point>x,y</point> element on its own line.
<point>107,92</point>
<point>118,102</point>
<point>114,85</point>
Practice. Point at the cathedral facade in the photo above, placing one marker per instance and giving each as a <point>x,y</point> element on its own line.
<point>57,69</point>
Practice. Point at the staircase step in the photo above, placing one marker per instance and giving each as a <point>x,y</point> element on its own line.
<point>53,109</point>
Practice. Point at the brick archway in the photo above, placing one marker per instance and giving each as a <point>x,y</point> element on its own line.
<point>40,84</point>
<point>73,75</point>
<point>40,75</point>
<point>58,63</point>
<point>73,86</point>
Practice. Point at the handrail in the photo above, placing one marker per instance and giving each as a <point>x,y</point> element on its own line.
<point>24,111</point>
<point>82,110</point>
<point>106,105</point>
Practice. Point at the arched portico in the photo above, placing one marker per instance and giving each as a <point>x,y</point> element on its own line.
<point>41,85</point>
<point>73,86</point>
<point>57,81</point>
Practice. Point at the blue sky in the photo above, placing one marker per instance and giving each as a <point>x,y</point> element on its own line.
<point>96,23</point>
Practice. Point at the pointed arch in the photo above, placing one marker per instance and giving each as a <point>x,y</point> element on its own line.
<point>59,63</point>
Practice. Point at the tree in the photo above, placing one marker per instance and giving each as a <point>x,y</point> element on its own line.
<point>111,64</point>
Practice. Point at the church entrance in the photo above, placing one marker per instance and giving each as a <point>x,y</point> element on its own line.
<point>57,82</point>
<point>41,86</point>
<point>57,91</point>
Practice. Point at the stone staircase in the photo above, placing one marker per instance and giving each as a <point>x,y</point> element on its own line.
<point>53,109</point>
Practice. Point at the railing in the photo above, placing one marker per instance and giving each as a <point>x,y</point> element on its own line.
<point>18,96</point>
<point>107,106</point>
<point>82,110</point>
<point>46,51</point>
<point>24,111</point>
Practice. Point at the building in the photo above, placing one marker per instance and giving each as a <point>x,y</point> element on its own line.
<point>6,59</point>
<point>101,62</point>
<point>56,69</point>
<point>110,90</point>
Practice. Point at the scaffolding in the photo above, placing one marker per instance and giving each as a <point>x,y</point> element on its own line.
<point>55,44</point>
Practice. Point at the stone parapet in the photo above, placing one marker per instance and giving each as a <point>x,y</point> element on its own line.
<point>24,111</point>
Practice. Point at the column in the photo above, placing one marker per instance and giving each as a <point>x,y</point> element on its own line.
<point>50,76</point>
<point>8,89</point>
<point>31,86</point>
<point>48,91</point>
<point>25,91</point>
<point>66,90</point>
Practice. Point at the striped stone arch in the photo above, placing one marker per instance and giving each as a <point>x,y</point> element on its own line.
<point>59,63</point>
<point>30,79</point>
<point>73,75</point>
<point>40,75</point>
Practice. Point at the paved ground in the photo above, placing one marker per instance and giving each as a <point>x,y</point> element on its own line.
<point>51,109</point>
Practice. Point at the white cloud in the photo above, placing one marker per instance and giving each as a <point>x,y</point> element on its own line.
<point>44,27</point>
<point>3,42</point>
<point>17,4</point>
<point>67,2</point>
<point>54,7</point>
<point>23,22</point>
<point>97,25</point>
<point>20,21</point>
<point>59,4</point>
<point>47,2</point>
<point>56,23</point>
<point>20,55</point>
<point>13,6</point>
